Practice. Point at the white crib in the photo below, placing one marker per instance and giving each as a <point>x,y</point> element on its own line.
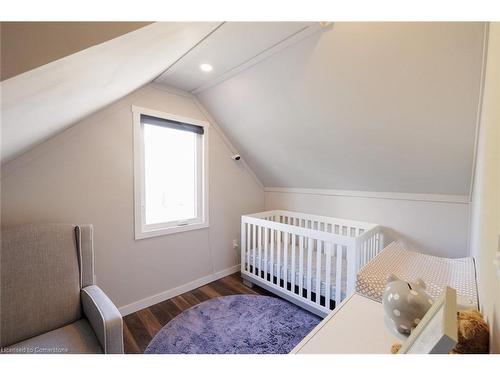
<point>309,260</point>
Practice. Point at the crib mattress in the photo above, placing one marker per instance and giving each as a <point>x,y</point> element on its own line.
<point>436,272</point>
<point>281,267</point>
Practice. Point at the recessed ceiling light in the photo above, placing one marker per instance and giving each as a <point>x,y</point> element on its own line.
<point>206,67</point>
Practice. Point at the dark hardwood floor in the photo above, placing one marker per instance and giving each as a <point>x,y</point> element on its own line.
<point>140,327</point>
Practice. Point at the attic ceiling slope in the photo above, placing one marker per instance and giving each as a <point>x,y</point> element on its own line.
<point>28,45</point>
<point>42,102</point>
<point>231,48</point>
<point>381,107</point>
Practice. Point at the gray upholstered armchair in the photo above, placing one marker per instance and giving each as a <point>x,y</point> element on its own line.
<point>49,300</point>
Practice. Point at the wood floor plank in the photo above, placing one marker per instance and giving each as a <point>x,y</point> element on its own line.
<point>140,327</point>
<point>237,286</point>
<point>138,331</point>
<point>150,322</point>
<point>129,344</point>
<point>171,307</point>
<point>200,296</point>
<point>223,289</point>
<point>190,298</point>
<point>163,314</point>
<point>182,303</point>
<point>209,291</point>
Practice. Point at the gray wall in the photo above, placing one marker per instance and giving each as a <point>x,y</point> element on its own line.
<point>432,227</point>
<point>85,175</point>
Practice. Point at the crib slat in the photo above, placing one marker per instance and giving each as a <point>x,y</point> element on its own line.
<point>367,245</point>
<point>285,260</point>
<point>367,251</point>
<point>319,255</point>
<point>294,250</point>
<point>338,275</point>
<point>301,264</point>
<point>370,255</point>
<point>309,267</point>
<point>374,247</point>
<point>371,247</point>
<point>254,245</point>
<point>248,247</point>
<point>271,261</point>
<point>243,246</point>
<point>328,270</point>
<point>259,242</point>
<point>363,251</point>
<point>278,257</point>
<point>266,245</point>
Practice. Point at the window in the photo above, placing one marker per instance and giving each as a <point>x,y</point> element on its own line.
<point>170,173</point>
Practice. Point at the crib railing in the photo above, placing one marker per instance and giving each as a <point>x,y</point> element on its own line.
<point>267,237</point>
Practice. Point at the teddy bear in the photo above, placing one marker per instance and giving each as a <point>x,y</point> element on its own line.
<point>405,303</point>
<point>473,334</point>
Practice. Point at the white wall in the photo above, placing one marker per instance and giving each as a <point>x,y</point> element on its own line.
<point>85,175</point>
<point>437,228</point>
<point>485,218</point>
<point>372,106</point>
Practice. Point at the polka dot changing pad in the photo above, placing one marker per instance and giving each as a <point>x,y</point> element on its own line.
<point>436,272</point>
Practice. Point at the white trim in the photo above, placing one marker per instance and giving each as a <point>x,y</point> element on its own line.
<point>169,116</point>
<point>476,135</point>
<point>479,107</point>
<point>202,221</point>
<point>170,230</point>
<point>457,199</point>
<point>167,294</point>
<point>170,89</point>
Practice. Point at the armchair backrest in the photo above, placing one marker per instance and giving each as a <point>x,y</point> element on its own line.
<point>43,267</point>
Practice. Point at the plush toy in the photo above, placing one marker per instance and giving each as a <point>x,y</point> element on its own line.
<point>405,303</point>
<point>473,334</point>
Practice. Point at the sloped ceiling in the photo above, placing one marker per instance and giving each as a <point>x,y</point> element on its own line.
<point>387,107</point>
<point>44,101</point>
<point>232,48</point>
<point>28,45</point>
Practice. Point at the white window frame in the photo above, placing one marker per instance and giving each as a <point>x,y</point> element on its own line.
<point>146,231</point>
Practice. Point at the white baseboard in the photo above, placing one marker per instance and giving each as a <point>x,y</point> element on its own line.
<point>162,296</point>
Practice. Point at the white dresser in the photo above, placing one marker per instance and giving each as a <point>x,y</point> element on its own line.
<point>357,326</point>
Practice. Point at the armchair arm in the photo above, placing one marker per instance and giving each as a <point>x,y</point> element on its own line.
<point>104,317</point>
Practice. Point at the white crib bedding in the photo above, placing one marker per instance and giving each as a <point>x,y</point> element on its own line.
<point>436,272</point>
<point>274,264</point>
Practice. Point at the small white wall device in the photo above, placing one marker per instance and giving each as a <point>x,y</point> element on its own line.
<point>236,157</point>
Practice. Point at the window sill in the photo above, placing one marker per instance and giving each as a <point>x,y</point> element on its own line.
<point>139,235</point>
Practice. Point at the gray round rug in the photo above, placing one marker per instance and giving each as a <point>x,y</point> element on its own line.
<point>238,324</point>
